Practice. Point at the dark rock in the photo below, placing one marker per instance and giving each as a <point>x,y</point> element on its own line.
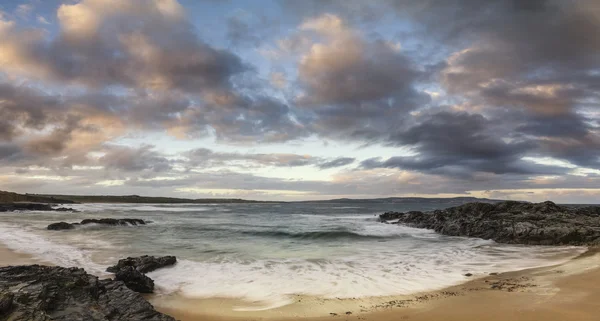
<point>102,221</point>
<point>114,221</point>
<point>60,226</point>
<point>44,293</point>
<point>135,280</point>
<point>11,207</point>
<point>65,209</point>
<point>511,222</point>
<point>144,264</point>
<point>6,302</point>
<point>469,274</point>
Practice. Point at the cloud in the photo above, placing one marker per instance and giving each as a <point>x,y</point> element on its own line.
<point>24,10</point>
<point>130,159</point>
<point>357,87</point>
<point>42,20</point>
<point>136,44</point>
<point>203,157</point>
<point>516,89</point>
<point>338,162</point>
<point>457,144</point>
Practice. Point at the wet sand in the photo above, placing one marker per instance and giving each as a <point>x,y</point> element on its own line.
<point>566,292</point>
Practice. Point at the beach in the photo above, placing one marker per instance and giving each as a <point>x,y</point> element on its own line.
<point>568,291</point>
<point>311,261</point>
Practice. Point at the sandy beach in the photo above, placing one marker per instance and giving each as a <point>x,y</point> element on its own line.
<point>568,291</point>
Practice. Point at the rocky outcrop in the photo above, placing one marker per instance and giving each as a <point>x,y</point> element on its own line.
<point>44,293</point>
<point>103,221</point>
<point>510,222</point>
<point>132,271</point>
<point>144,263</point>
<point>11,207</point>
<point>135,280</point>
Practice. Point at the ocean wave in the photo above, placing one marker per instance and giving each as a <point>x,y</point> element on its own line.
<point>313,235</point>
<point>95,207</point>
<point>269,283</point>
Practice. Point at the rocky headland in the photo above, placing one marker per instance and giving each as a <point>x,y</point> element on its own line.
<point>510,222</point>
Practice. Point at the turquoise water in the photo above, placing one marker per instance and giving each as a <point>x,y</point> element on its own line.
<point>265,253</point>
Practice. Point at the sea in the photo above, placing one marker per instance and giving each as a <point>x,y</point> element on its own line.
<point>266,253</point>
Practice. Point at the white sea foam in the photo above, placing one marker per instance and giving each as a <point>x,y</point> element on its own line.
<point>271,283</point>
<point>99,207</point>
<point>40,247</point>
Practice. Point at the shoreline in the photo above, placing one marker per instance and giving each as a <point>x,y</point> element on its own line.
<point>565,291</point>
<point>559,292</point>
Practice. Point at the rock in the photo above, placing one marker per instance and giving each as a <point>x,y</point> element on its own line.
<point>511,222</point>
<point>65,209</point>
<point>114,221</point>
<point>144,264</point>
<point>135,280</point>
<point>44,293</point>
<point>469,274</point>
<point>60,226</point>
<point>103,221</point>
<point>6,302</point>
<point>11,207</point>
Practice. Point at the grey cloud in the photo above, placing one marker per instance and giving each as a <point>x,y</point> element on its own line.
<point>207,157</point>
<point>357,87</point>
<point>130,159</point>
<point>338,162</point>
<point>455,144</point>
<point>245,119</point>
<point>10,153</point>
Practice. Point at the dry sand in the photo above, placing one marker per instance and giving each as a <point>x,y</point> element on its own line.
<point>566,292</point>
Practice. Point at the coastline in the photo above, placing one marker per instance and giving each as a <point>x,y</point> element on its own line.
<point>566,291</point>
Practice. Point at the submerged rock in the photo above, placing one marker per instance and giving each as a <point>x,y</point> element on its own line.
<point>43,293</point>
<point>135,280</point>
<point>144,263</point>
<point>103,221</point>
<point>114,221</point>
<point>60,226</point>
<point>510,222</point>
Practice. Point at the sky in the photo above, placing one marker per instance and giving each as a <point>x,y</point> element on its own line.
<point>300,100</point>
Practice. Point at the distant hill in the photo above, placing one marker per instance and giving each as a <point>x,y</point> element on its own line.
<point>9,197</point>
<point>411,200</point>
